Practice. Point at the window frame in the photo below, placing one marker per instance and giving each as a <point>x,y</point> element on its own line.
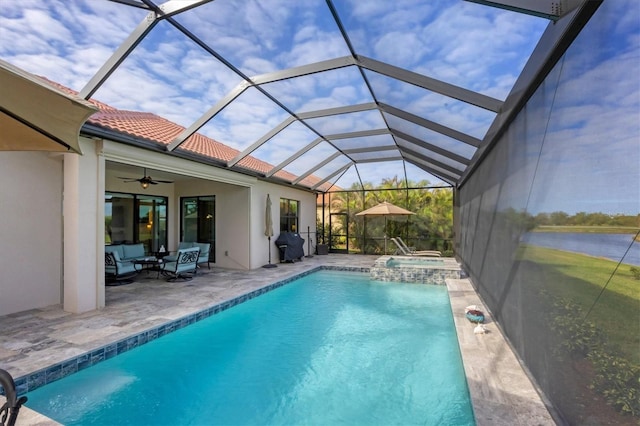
<point>289,219</point>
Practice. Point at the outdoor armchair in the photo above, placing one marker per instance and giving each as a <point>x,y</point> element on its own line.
<point>184,266</point>
<point>204,253</point>
<point>173,257</point>
<point>205,248</point>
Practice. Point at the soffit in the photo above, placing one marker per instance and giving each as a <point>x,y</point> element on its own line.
<point>50,124</point>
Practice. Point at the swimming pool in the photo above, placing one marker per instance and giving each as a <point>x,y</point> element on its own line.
<point>331,347</point>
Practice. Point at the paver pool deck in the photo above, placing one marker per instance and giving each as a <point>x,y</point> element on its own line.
<point>501,391</point>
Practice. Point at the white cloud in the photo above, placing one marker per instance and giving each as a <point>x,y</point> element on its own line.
<point>263,18</point>
<point>285,143</point>
<point>477,47</point>
<point>310,158</point>
<point>256,66</point>
<point>357,121</point>
<point>245,120</point>
<point>591,151</point>
<point>404,48</point>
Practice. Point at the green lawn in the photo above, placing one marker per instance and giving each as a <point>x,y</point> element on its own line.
<point>581,279</point>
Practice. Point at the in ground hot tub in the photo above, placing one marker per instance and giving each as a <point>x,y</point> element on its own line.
<point>414,269</point>
<point>410,261</point>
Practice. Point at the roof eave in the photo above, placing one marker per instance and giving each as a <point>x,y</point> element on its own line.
<point>93,130</point>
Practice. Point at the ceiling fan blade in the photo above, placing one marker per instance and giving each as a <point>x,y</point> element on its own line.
<point>145,179</point>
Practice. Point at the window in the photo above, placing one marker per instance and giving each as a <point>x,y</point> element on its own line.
<point>130,218</point>
<point>288,215</point>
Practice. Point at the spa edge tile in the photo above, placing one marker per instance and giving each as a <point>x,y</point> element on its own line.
<point>36,380</point>
<point>53,373</point>
<point>97,356</point>
<point>110,351</point>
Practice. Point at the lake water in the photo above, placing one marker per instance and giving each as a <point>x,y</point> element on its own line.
<point>609,246</point>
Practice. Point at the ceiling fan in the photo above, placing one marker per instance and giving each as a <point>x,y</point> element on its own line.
<point>145,180</point>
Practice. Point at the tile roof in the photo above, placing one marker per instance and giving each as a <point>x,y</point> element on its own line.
<point>155,129</point>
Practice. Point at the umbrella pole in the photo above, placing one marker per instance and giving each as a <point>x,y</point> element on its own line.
<point>270,265</point>
<point>269,231</point>
<point>385,235</point>
<point>309,242</point>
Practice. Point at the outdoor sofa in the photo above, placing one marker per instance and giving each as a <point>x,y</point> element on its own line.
<point>118,261</point>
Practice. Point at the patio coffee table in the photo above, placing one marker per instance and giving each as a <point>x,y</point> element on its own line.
<point>149,264</point>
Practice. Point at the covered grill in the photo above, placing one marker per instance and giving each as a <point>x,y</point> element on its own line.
<point>290,246</point>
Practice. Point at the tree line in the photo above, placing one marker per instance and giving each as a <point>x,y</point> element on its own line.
<point>430,228</point>
<point>432,225</point>
<point>527,221</point>
<point>586,219</point>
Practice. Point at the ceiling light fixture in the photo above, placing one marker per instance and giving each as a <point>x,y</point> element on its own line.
<point>146,180</point>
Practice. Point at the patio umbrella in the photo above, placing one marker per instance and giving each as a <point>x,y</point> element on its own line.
<point>268,230</point>
<point>385,209</point>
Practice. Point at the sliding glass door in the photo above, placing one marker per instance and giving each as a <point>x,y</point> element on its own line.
<point>132,218</point>
<point>198,221</point>
<point>152,222</point>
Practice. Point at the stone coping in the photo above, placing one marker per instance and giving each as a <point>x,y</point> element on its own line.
<point>501,391</point>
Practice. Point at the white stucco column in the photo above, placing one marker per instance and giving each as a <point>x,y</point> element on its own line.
<point>83,290</point>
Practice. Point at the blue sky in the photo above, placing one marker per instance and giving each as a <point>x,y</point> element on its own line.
<point>476,47</point>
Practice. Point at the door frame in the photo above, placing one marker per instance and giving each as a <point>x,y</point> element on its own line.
<point>333,249</point>
<point>212,241</point>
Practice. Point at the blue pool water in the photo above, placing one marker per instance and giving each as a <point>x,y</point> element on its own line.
<point>329,348</point>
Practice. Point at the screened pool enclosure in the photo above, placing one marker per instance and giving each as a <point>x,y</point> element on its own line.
<point>523,115</point>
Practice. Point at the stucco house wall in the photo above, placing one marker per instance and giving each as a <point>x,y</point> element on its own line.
<point>306,217</point>
<point>52,219</point>
<point>30,230</point>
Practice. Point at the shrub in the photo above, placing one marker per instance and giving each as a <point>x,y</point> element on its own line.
<point>617,380</point>
<point>615,377</point>
<point>578,337</point>
<point>635,272</point>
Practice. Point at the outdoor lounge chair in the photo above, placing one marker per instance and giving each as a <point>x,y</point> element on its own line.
<point>184,266</point>
<point>410,251</point>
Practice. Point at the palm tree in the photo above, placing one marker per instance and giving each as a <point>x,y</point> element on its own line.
<point>430,228</point>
